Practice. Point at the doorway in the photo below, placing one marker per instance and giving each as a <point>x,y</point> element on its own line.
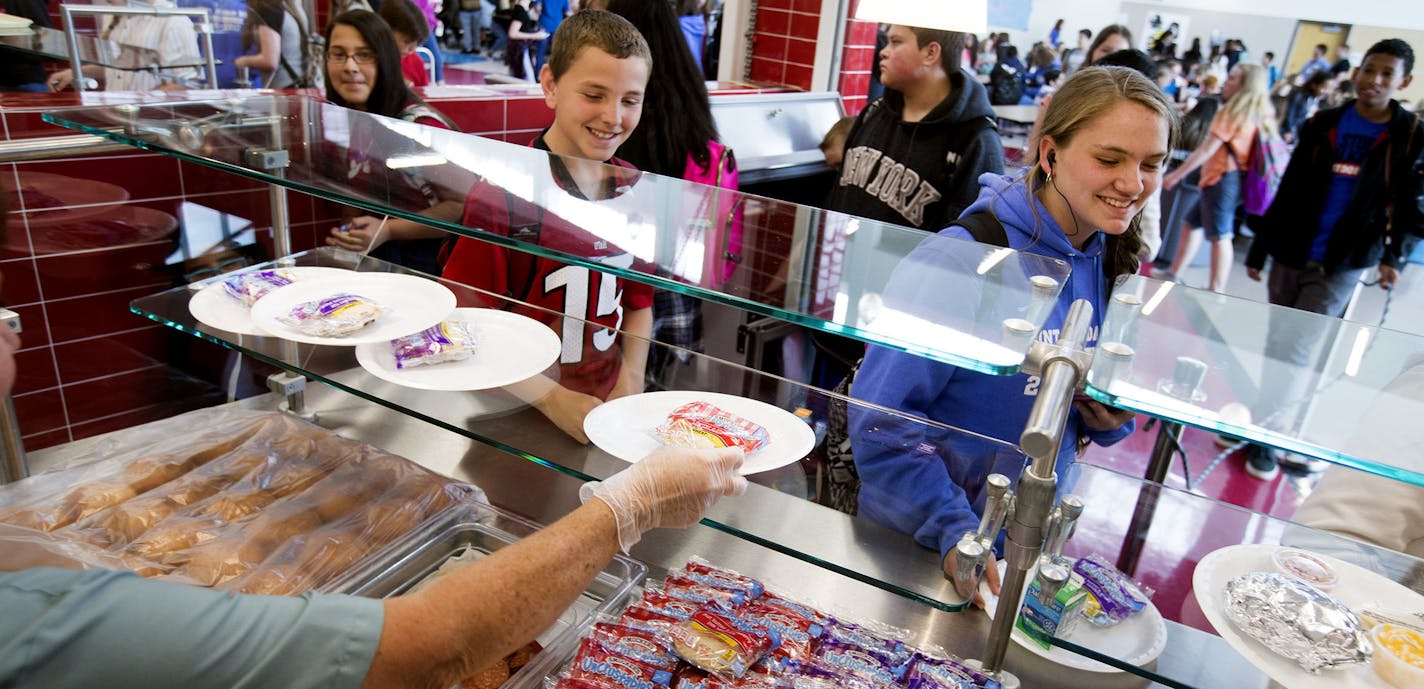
<point>1310,34</point>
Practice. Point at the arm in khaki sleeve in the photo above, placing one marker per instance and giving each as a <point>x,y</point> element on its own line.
<point>490,608</point>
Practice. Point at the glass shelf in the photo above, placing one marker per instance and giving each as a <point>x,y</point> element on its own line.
<point>50,44</point>
<point>820,269</point>
<point>782,513</point>
<point>1348,393</point>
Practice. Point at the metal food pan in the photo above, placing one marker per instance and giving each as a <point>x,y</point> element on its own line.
<point>485,529</point>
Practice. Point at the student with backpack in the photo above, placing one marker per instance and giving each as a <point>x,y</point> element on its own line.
<point>1352,198</point>
<point>677,137</point>
<point>278,30</point>
<point>1222,158</point>
<point>1104,142</point>
<point>932,134</point>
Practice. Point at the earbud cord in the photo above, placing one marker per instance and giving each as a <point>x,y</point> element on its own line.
<point>1054,184</point>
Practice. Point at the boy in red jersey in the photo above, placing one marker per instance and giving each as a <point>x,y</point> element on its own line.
<point>594,82</point>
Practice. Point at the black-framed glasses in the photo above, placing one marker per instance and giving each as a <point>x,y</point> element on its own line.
<point>362,57</point>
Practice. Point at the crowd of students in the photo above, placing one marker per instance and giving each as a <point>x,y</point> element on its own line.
<point>626,93</point>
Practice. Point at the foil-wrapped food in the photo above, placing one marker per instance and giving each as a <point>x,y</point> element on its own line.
<point>1296,621</point>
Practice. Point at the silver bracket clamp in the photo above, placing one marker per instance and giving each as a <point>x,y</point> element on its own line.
<point>293,387</point>
<point>268,159</point>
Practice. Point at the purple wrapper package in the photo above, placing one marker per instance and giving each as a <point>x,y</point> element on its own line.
<point>333,316</point>
<point>860,661</point>
<point>250,286</point>
<point>1112,597</point>
<point>927,672</point>
<point>446,341</point>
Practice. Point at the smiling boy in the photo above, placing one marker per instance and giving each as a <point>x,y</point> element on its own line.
<point>594,82</point>
<point>1350,200</point>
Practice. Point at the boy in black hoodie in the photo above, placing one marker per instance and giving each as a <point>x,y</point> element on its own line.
<point>1352,198</point>
<point>914,156</point>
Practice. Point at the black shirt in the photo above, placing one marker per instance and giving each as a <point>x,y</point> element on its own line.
<point>17,69</point>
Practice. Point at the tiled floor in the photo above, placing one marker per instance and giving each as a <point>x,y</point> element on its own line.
<point>1227,479</point>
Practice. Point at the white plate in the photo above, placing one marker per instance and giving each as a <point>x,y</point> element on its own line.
<point>624,427</point>
<point>214,307</point>
<point>409,304</point>
<point>508,348</point>
<point>1357,587</point>
<point>1138,640</point>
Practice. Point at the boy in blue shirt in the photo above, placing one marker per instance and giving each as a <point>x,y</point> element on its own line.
<point>1349,201</point>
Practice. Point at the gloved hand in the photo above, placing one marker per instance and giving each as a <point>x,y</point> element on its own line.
<point>671,487</point>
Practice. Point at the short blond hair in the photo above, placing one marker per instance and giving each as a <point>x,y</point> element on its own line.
<point>595,29</point>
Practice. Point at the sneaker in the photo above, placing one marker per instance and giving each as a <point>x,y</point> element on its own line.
<point>1225,441</point>
<point>1162,274</point>
<point>1301,464</point>
<point>1261,462</point>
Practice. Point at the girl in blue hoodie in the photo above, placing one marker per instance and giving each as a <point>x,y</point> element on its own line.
<point>1098,157</point>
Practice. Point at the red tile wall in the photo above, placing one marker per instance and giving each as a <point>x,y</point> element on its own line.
<point>858,60</point>
<point>88,236</point>
<point>784,42</point>
<point>89,365</point>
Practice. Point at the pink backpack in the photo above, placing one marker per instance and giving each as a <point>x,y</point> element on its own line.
<point>721,210</point>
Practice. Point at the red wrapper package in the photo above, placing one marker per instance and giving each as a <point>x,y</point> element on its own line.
<point>596,661</point>
<point>721,642</point>
<point>635,642</point>
<point>702,425</point>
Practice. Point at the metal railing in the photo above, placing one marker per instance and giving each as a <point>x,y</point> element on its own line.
<point>204,27</point>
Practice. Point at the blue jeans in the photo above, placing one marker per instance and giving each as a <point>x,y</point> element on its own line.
<point>470,30</point>
<point>1216,209</point>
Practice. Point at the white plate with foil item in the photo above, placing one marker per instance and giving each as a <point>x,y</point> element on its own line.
<point>1137,640</point>
<point>508,348</point>
<point>624,427</point>
<point>215,308</point>
<point>1356,587</point>
<point>408,304</point>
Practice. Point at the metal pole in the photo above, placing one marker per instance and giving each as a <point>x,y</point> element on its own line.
<point>76,65</point>
<point>1033,501</point>
<point>206,29</point>
<point>1157,467</point>
<point>51,147</point>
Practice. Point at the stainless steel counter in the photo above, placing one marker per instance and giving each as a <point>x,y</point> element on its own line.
<point>543,494</point>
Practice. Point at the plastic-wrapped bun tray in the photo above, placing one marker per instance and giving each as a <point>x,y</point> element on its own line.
<point>242,500</point>
<point>485,529</point>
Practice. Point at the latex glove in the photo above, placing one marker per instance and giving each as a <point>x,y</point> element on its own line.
<point>671,487</point>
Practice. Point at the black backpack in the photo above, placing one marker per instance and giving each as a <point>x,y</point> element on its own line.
<point>1005,87</point>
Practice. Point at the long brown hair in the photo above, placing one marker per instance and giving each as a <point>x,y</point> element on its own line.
<point>1087,94</point>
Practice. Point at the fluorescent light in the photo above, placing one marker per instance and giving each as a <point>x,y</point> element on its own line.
<point>1157,298</point>
<point>401,162</point>
<point>994,258</point>
<point>1357,353</point>
<point>946,15</point>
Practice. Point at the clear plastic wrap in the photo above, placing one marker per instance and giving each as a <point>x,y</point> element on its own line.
<point>442,342</point>
<point>252,285</point>
<point>257,502</point>
<point>333,316</point>
<point>738,635</point>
